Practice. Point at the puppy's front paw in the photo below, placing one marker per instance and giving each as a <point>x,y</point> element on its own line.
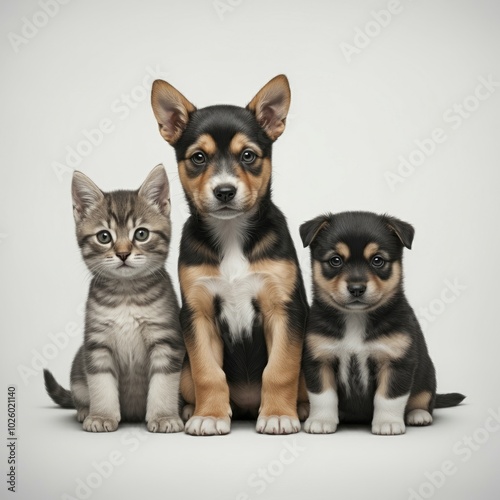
<point>303,411</point>
<point>419,417</point>
<point>165,424</point>
<point>187,412</point>
<point>278,424</point>
<point>207,426</point>
<point>320,426</point>
<point>388,428</point>
<point>94,423</point>
<point>81,414</point>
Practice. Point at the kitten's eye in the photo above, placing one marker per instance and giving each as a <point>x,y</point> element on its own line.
<point>378,261</point>
<point>141,234</point>
<point>199,158</point>
<point>248,156</point>
<point>104,237</point>
<point>336,261</point>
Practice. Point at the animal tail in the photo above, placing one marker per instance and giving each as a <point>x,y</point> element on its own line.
<point>59,394</point>
<point>447,400</point>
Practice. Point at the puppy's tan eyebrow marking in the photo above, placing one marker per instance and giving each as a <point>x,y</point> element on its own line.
<point>240,141</point>
<point>370,250</point>
<point>204,143</point>
<point>343,250</point>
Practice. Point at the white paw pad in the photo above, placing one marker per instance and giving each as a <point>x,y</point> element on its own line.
<point>418,417</point>
<point>388,428</point>
<point>278,425</point>
<point>207,426</point>
<point>320,426</point>
<point>165,424</point>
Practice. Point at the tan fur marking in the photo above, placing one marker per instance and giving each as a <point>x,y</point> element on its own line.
<point>388,287</point>
<point>420,401</point>
<point>383,379</point>
<point>327,288</point>
<point>204,143</point>
<point>343,250</point>
<point>320,346</point>
<point>196,294</point>
<point>262,245</point>
<point>240,141</point>
<point>194,187</point>
<point>390,347</point>
<point>370,250</point>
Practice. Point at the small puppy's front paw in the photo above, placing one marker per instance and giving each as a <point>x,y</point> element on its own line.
<point>419,417</point>
<point>207,426</point>
<point>187,412</point>
<point>81,414</point>
<point>388,428</point>
<point>303,411</point>
<point>278,424</point>
<point>165,424</point>
<point>93,423</point>
<point>320,426</point>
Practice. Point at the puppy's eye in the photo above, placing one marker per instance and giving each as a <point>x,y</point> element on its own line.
<point>336,261</point>
<point>377,261</point>
<point>141,234</point>
<point>248,156</point>
<point>104,237</point>
<point>199,158</point>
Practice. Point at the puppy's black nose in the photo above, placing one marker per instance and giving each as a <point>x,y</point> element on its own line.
<point>123,255</point>
<point>225,192</point>
<point>356,290</point>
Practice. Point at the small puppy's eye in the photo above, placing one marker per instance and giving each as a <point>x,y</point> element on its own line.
<point>336,261</point>
<point>104,237</point>
<point>199,158</point>
<point>378,261</point>
<point>248,156</point>
<point>141,234</point>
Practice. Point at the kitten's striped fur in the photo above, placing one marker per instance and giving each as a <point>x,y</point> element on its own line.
<point>129,365</point>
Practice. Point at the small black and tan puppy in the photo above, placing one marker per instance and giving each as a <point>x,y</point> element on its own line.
<point>244,305</point>
<point>365,357</point>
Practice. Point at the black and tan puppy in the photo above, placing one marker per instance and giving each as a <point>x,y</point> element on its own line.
<point>244,306</point>
<point>365,357</point>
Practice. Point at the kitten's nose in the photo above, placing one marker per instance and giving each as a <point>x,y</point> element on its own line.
<point>123,255</point>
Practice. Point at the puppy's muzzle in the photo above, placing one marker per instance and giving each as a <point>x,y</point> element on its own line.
<point>225,193</point>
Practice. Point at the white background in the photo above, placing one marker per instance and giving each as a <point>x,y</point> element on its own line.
<point>350,121</point>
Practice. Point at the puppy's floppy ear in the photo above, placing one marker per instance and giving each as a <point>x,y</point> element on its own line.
<point>171,110</point>
<point>85,194</point>
<point>156,190</point>
<point>271,105</point>
<point>310,229</point>
<point>403,230</point>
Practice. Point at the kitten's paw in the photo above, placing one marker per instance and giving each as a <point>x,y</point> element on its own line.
<point>303,411</point>
<point>388,428</point>
<point>419,417</point>
<point>93,423</point>
<point>165,424</point>
<point>207,426</point>
<point>81,414</point>
<point>278,424</point>
<point>187,412</point>
<point>320,426</point>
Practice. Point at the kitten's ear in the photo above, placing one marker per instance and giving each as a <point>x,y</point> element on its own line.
<point>310,229</point>
<point>271,105</point>
<point>404,231</point>
<point>156,189</point>
<point>85,195</point>
<point>171,110</point>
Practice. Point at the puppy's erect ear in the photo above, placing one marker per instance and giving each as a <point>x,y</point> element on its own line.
<point>156,190</point>
<point>403,230</point>
<point>310,229</point>
<point>85,194</point>
<point>171,110</point>
<point>271,105</point>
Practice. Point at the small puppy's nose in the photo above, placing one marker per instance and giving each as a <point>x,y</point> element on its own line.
<point>356,290</point>
<point>225,192</point>
<point>123,255</point>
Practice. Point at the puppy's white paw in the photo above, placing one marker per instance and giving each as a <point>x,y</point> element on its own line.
<point>388,428</point>
<point>207,426</point>
<point>187,412</point>
<point>320,426</point>
<point>418,417</point>
<point>94,423</point>
<point>165,424</point>
<point>81,414</point>
<point>275,424</point>
<point>303,411</point>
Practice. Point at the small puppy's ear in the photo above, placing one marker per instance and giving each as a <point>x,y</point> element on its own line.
<point>171,110</point>
<point>403,230</point>
<point>85,194</point>
<point>310,229</point>
<point>156,190</point>
<point>271,105</point>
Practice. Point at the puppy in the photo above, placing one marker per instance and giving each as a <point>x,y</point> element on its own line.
<point>365,357</point>
<point>244,305</point>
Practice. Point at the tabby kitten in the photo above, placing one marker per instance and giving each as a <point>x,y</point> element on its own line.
<point>129,365</point>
